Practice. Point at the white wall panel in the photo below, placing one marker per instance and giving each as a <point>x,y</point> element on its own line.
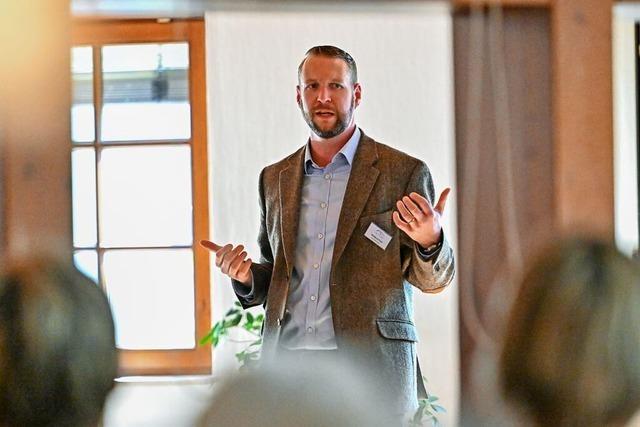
<point>404,58</point>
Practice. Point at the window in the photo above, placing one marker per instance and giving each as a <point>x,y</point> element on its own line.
<point>139,181</point>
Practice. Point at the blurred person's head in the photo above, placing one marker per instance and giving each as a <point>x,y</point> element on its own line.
<point>571,355</point>
<point>294,393</point>
<point>57,346</point>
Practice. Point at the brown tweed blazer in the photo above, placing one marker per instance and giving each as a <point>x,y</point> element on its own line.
<point>371,292</point>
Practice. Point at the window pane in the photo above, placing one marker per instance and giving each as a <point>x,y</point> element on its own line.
<point>145,196</point>
<point>152,297</point>
<point>82,110</point>
<point>87,263</point>
<point>83,187</point>
<point>146,92</point>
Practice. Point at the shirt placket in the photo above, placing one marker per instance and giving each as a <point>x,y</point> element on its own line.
<point>319,249</point>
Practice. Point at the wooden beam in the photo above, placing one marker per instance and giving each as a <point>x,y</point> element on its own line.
<point>35,92</point>
<point>583,116</point>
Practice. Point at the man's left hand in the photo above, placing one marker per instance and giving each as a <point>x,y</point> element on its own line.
<point>421,221</point>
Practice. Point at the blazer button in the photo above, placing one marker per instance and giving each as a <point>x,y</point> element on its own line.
<point>333,284</point>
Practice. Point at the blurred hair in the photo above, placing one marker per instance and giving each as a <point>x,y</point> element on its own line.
<point>572,349</point>
<point>297,393</point>
<point>331,52</point>
<point>57,346</point>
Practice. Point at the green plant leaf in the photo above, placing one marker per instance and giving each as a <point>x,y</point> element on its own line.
<point>418,415</point>
<point>256,342</point>
<point>241,356</point>
<point>234,321</point>
<point>232,311</point>
<point>217,332</point>
<point>439,409</point>
<point>207,339</point>
<point>237,317</point>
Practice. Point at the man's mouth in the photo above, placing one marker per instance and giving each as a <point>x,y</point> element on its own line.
<point>324,114</point>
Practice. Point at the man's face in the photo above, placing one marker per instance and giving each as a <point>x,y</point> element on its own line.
<point>326,95</point>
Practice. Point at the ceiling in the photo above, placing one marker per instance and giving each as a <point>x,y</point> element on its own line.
<point>197,8</point>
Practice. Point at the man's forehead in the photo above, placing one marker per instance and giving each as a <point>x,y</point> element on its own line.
<point>316,67</point>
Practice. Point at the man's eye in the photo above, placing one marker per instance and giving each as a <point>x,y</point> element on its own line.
<point>312,86</point>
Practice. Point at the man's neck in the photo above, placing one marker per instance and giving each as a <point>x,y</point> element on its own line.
<point>323,150</point>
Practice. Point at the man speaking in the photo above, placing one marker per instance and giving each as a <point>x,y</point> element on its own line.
<point>347,226</point>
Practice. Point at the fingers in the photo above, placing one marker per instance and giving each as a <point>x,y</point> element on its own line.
<point>414,210</point>
<point>442,201</point>
<point>423,202</point>
<point>221,253</point>
<point>237,264</point>
<point>404,213</point>
<point>243,273</point>
<point>400,223</point>
<point>231,256</point>
<point>230,260</point>
<point>210,245</point>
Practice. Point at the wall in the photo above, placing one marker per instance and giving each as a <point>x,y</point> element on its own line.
<point>404,55</point>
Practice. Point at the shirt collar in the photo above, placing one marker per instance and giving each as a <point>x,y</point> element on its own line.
<point>348,151</point>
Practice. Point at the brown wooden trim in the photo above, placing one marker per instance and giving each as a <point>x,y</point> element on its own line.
<point>463,4</point>
<point>133,31</point>
<point>165,362</point>
<point>198,90</point>
<point>583,116</point>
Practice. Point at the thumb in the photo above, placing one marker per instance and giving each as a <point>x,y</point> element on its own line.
<point>443,200</point>
<point>210,245</point>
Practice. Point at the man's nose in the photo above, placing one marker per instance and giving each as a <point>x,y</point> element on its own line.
<point>324,95</point>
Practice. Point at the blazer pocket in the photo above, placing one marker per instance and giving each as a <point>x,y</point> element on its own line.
<point>382,220</point>
<point>397,329</point>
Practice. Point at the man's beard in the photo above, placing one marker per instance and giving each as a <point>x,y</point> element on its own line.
<point>342,122</point>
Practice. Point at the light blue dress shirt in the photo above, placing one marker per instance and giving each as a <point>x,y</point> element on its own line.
<point>308,324</point>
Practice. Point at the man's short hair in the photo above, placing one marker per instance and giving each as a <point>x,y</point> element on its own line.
<point>332,52</point>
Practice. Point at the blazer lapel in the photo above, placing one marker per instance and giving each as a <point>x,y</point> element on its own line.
<point>361,181</point>
<point>290,188</point>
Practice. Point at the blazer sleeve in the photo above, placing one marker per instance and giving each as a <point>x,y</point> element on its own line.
<point>261,272</point>
<point>436,273</point>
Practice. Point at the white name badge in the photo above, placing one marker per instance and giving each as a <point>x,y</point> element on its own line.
<point>377,235</point>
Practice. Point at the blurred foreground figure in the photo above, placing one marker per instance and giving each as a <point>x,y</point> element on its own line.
<point>296,393</point>
<point>57,347</point>
<point>572,349</point>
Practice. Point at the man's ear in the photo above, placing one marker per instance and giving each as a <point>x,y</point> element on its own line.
<point>298,96</point>
<point>357,93</point>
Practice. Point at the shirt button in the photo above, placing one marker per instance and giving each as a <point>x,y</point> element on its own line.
<point>309,329</point>
<point>323,205</point>
<point>316,265</point>
<point>327,176</point>
<point>320,235</point>
<point>313,297</point>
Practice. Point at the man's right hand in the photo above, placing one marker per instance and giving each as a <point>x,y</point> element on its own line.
<point>231,261</point>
